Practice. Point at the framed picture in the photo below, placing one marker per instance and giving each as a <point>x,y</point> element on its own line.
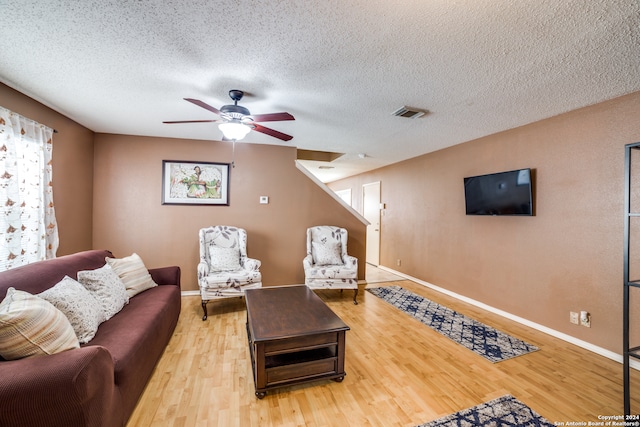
<point>195,183</point>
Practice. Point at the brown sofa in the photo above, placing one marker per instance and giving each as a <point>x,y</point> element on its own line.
<point>98,384</point>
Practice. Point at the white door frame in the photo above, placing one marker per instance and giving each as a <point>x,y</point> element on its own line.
<point>371,212</point>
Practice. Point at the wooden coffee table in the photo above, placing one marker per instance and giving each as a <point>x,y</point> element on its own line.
<point>294,337</point>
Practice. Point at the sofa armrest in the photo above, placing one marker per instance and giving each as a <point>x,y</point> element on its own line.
<point>252,264</point>
<point>166,275</point>
<point>203,270</point>
<point>307,262</point>
<point>350,261</point>
<point>75,387</point>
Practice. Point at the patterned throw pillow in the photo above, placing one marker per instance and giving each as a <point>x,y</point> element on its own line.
<point>82,310</point>
<point>31,326</point>
<point>133,273</point>
<point>327,253</point>
<point>106,287</point>
<point>224,259</point>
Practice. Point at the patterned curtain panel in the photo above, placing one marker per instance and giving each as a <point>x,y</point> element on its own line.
<point>28,229</point>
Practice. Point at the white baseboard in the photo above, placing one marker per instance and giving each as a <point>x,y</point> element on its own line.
<point>557,334</point>
<point>190,293</point>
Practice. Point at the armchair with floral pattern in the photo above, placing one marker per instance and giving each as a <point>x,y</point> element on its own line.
<point>224,269</point>
<point>327,264</point>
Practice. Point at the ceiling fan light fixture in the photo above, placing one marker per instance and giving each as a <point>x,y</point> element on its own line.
<point>238,121</point>
<point>234,130</point>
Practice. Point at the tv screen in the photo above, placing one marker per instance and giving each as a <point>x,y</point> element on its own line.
<point>503,193</point>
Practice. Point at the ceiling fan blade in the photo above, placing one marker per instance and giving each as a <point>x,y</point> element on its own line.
<point>272,117</point>
<point>203,105</point>
<point>271,132</point>
<point>190,121</point>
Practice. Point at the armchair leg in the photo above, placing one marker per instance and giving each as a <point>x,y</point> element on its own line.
<point>355,294</point>
<point>204,308</point>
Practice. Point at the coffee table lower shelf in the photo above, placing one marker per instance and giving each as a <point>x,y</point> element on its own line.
<point>284,362</point>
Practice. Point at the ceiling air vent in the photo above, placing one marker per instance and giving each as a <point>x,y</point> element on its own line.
<point>409,112</point>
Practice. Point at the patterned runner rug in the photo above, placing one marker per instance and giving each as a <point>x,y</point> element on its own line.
<point>484,340</point>
<point>503,411</point>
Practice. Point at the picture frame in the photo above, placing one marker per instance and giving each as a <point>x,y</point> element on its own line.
<point>195,183</point>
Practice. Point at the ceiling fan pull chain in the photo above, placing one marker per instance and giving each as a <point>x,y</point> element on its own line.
<point>233,154</point>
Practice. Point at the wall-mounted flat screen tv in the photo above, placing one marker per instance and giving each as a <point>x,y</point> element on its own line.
<point>503,193</point>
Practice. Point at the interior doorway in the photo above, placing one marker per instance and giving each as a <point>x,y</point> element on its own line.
<point>371,212</point>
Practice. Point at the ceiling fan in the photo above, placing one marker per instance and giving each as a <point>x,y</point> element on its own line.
<point>237,121</point>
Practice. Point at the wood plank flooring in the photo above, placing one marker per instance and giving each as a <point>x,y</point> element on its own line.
<point>411,374</point>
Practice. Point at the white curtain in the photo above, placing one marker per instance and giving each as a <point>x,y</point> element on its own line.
<point>28,229</point>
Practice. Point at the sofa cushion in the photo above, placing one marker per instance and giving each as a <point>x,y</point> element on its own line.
<point>224,259</point>
<point>326,253</point>
<point>133,273</point>
<point>31,326</point>
<point>42,275</point>
<point>230,279</point>
<point>331,272</point>
<point>74,301</point>
<point>137,336</point>
<point>106,287</point>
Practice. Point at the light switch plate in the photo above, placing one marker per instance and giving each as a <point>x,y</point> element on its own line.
<point>264,200</point>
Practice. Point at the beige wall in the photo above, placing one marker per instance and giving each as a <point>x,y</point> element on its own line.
<point>129,216</point>
<point>72,169</point>
<point>568,257</point>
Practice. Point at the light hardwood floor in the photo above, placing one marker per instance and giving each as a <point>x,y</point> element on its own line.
<point>399,372</point>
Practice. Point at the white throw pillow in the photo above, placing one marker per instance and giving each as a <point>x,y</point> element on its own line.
<point>326,253</point>
<point>224,259</point>
<point>133,273</point>
<point>31,326</point>
<point>83,311</point>
<point>106,287</point>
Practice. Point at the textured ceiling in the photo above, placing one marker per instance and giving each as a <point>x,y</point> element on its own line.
<point>340,67</point>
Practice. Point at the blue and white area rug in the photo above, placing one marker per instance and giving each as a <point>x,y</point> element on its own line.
<point>503,411</point>
<point>484,340</point>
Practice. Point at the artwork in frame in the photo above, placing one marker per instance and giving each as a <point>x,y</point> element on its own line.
<point>195,183</point>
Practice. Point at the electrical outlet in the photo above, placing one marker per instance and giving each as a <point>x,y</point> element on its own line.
<point>574,317</point>
<point>585,319</point>
<point>398,262</point>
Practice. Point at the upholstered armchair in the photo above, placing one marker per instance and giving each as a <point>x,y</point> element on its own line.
<point>327,264</point>
<point>224,269</point>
